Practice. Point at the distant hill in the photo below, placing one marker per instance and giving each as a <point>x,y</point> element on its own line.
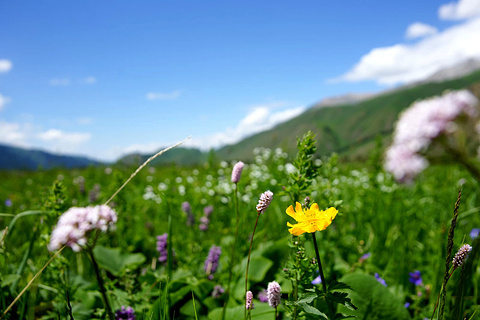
<point>349,130</point>
<point>180,156</point>
<point>19,158</point>
<point>347,125</point>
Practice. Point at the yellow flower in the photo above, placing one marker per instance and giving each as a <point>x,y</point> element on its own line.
<point>310,220</point>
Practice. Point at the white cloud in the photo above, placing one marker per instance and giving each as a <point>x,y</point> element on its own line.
<point>3,101</point>
<point>163,96</point>
<point>463,9</point>
<point>260,118</point>
<point>419,30</point>
<point>59,82</point>
<point>5,65</point>
<point>90,80</point>
<point>28,135</point>
<point>404,63</point>
<point>64,137</point>
<point>14,133</point>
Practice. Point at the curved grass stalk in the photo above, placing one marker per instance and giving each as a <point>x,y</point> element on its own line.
<point>143,165</point>
<point>31,282</point>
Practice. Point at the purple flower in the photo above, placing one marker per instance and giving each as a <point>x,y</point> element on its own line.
<point>162,247</point>
<point>263,296</point>
<point>382,281</point>
<point>474,233</point>
<point>125,314</point>
<point>317,280</point>
<point>407,304</point>
<point>461,255</point>
<point>274,294</point>
<point>207,211</point>
<point>249,301</point>
<point>217,291</point>
<point>211,263</point>
<point>186,207</point>
<point>204,221</point>
<point>264,202</point>
<point>74,225</point>
<point>415,278</point>
<point>364,257</point>
<point>8,203</point>
<point>237,171</point>
<point>94,193</point>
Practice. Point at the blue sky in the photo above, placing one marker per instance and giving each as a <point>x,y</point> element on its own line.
<point>104,78</point>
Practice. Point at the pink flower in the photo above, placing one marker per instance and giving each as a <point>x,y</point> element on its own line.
<point>237,171</point>
<point>75,224</point>
<point>249,301</point>
<point>421,123</point>
<point>274,294</point>
<point>264,202</point>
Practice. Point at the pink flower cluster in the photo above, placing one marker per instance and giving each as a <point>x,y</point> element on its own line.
<point>74,225</point>
<point>422,122</point>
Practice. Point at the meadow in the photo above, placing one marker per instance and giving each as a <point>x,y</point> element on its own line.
<point>386,247</point>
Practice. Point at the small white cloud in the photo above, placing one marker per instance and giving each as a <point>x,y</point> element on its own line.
<point>59,82</point>
<point>463,9</point>
<point>5,65</point>
<point>163,96</point>
<point>260,118</point>
<point>14,133</point>
<point>64,137</point>
<point>90,80</point>
<point>404,63</point>
<point>419,30</point>
<point>3,101</point>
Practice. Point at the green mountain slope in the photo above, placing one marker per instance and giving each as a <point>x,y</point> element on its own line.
<point>18,158</point>
<point>349,130</point>
<point>179,156</point>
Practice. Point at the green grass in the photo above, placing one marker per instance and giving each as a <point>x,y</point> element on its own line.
<point>403,227</point>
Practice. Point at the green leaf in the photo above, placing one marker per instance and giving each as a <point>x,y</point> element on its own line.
<point>9,279</point>
<point>307,298</point>
<point>114,261</point>
<point>374,301</point>
<point>336,285</point>
<point>259,267</point>
<point>312,310</point>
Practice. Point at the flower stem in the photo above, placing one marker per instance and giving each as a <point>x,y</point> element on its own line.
<point>248,259</point>
<point>101,285</point>
<point>324,284</point>
<point>232,257</point>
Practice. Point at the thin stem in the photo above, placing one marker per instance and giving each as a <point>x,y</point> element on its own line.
<point>142,166</point>
<point>31,281</point>
<point>232,257</point>
<point>275,312</point>
<point>324,284</point>
<point>248,260</point>
<point>67,293</point>
<point>101,285</point>
<point>446,276</point>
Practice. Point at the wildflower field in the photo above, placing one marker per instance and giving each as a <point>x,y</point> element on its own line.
<point>286,236</point>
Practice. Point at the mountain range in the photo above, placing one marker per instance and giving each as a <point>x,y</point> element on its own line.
<point>348,125</point>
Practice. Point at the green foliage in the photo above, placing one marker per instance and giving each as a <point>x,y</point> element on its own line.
<point>374,301</point>
<point>402,227</point>
<point>306,167</point>
<point>115,261</point>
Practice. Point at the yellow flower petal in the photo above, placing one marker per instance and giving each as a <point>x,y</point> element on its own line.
<point>311,219</point>
<point>291,213</point>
